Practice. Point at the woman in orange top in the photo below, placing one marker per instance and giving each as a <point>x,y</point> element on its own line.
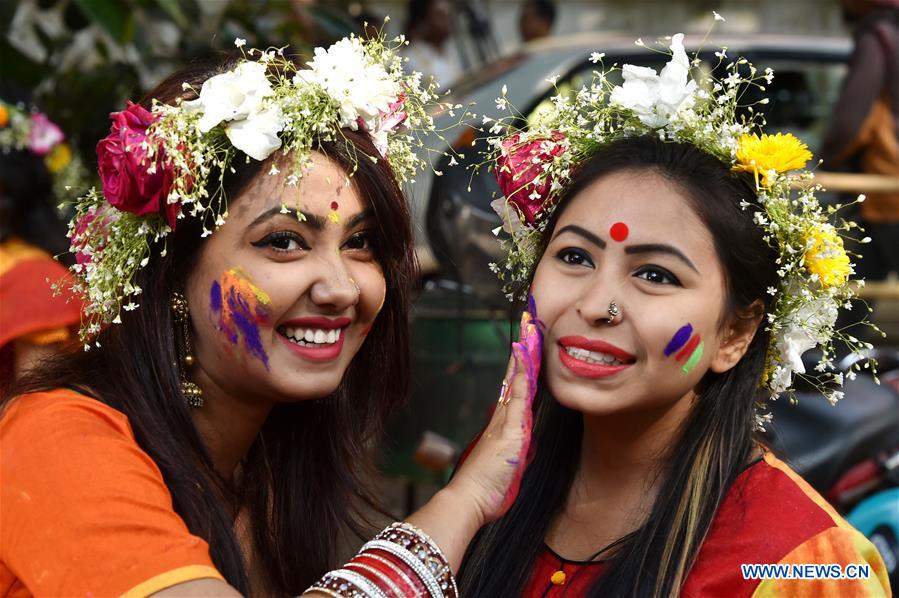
<point>216,438</point>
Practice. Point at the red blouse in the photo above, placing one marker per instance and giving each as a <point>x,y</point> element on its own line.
<point>770,516</point>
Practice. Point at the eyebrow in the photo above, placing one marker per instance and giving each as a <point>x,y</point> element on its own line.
<point>312,220</point>
<point>660,248</point>
<point>573,228</point>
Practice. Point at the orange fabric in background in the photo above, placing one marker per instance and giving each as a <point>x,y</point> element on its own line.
<point>27,303</point>
<point>84,511</point>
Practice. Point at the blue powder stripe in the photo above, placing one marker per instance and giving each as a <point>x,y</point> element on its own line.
<point>215,296</point>
<point>679,339</point>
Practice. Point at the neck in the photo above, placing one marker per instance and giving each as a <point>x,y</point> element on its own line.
<point>228,426</point>
<point>622,454</point>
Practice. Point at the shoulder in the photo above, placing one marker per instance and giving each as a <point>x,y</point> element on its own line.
<point>43,412</point>
<point>769,514</point>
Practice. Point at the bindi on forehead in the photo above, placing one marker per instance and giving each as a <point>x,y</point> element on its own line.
<point>619,232</point>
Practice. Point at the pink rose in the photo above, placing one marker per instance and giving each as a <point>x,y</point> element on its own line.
<point>125,169</point>
<point>520,165</point>
<point>44,134</point>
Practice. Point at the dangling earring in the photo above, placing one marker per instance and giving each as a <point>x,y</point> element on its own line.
<point>193,394</point>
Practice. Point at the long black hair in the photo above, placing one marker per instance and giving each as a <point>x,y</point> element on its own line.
<point>304,479</point>
<point>716,440</point>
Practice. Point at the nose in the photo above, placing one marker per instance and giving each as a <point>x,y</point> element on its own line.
<point>334,288</point>
<point>597,304</point>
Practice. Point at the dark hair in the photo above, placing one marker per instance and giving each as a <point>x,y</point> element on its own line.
<point>320,450</point>
<point>716,440</point>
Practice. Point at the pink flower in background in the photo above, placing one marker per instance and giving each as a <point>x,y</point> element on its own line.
<point>519,167</point>
<point>44,134</point>
<point>132,182</point>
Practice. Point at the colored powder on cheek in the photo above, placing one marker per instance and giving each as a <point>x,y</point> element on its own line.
<point>688,350</point>
<point>694,359</point>
<point>619,231</point>
<point>679,339</point>
<point>245,305</point>
<point>215,296</point>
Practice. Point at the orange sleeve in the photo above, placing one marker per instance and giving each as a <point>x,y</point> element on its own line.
<point>837,545</point>
<point>83,510</point>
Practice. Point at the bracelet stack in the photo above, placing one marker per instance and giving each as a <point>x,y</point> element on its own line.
<point>401,561</point>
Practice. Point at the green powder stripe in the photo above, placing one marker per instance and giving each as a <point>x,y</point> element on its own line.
<point>694,359</point>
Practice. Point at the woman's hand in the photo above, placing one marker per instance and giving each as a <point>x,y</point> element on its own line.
<point>491,475</point>
<point>487,483</point>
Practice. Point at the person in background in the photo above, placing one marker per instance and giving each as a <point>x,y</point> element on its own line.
<point>536,19</point>
<point>429,27</point>
<point>865,135</point>
<point>34,321</point>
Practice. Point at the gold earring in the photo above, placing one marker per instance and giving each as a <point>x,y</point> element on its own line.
<point>193,394</point>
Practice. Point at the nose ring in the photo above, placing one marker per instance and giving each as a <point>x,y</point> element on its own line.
<point>614,311</point>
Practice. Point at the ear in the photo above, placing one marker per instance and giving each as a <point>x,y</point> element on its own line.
<point>736,336</point>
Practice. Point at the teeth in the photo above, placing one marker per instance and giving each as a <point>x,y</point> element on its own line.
<point>593,356</point>
<point>310,337</point>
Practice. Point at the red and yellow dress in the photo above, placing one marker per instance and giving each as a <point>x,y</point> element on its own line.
<point>83,510</point>
<point>770,516</point>
<point>29,309</point>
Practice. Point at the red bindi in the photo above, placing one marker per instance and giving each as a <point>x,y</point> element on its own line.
<point>334,205</point>
<point>619,231</point>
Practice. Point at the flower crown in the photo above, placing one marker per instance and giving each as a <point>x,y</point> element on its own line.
<point>160,165</point>
<point>24,129</point>
<point>532,168</point>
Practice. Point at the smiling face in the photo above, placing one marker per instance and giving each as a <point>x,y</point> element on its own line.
<point>631,238</point>
<point>280,305</point>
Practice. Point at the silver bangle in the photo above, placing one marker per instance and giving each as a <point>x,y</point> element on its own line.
<point>366,586</point>
<point>412,561</point>
<point>395,589</point>
<point>392,566</point>
<point>422,546</point>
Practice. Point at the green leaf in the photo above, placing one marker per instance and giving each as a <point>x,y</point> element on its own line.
<point>112,15</point>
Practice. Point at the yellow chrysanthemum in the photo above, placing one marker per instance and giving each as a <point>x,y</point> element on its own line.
<point>4,116</point>
<point>825,256</point>
<point>59,158</point>
<point>778,152</point>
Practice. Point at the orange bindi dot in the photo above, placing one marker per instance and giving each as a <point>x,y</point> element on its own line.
<point>619,231</point>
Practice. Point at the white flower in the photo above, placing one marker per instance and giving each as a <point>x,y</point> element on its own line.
<point>232,95</point>
<point>717,16</point>
<point>596,57</point>
<point>360,87</point>
<point>257,135</point>
<point>656,98</point>
<point>508,214</point>
<point>803,330</point>
<point>240,42</point>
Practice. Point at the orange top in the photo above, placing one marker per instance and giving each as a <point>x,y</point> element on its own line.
<point>83,510</point>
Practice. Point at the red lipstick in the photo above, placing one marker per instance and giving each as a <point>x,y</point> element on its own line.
<point>592,370</point>
<point>321,353</point>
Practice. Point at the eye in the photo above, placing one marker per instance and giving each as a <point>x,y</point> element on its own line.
<point>282,241</point>
<point>657,275</point>
<point>575,257</point>
<point>362,241</point>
